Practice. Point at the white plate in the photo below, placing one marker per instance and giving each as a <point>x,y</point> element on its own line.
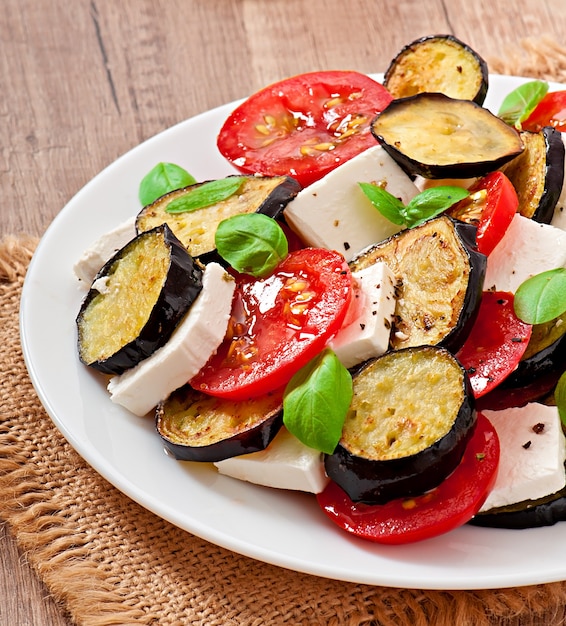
<point>285,529</point>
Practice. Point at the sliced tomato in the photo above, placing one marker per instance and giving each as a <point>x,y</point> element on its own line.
<point>550,111</point>
<point>303,126</point>
<point>491,205</point>
<point>279,324</point>
<point>446,507</point>
<point>496,343</point>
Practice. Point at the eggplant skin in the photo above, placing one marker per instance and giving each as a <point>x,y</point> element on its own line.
<point>546,511</point>
<point>435,136</point>
<point>438,63</point>
<point>136,301</point>
<point>538,173</point>
<point>410,420</point>
<point>258,194</point>
<point>196,427</point>
<point>440,278</point>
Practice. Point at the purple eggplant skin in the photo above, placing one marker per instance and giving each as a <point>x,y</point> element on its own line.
<point>374,481</point>
<point>419,79</point>
<point>243,436</point>
<point>182,285</point>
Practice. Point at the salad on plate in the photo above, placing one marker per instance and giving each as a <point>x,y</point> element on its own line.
<point>370,309</point>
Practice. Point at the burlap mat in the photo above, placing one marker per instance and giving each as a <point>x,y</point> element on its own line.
<point>108,561</point>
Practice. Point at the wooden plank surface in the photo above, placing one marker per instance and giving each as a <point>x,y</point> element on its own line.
<point>83,82</point>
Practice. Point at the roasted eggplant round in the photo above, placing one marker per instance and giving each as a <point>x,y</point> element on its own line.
<point>440,279</point>
<point>538,173</point>
<point>435,136</point>
<point>545,511</point>
<point>545,354</point>
<point>411,417</point>
<point>198,427</point>
<point>196,229</point>
<point>136,301</point>
<point>438,64</point>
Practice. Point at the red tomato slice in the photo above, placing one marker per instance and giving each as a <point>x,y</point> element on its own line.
<point>279,324</point>
<point>303,126</point>
<point>491,205</point>
<point>496,343</point>
<point>405,520</point>
<point>550,111</point>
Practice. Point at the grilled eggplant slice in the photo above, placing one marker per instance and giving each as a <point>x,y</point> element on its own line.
<point>198,427</point>
<point>438,64</point>
<point>435,136</point>
<point>545,354</point>
<point>409,422</point>
<point>545,511</point>
<point>136,301</point>
<point>440,278</point>
<point>196,229</point>
<point>538,174</point>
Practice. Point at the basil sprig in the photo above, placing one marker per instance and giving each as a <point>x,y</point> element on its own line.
<point>560,397</point>
<point>205,195</point>
<point>424,206</point>
<point>542,297</point>
<point>521,102</point>
<point>162,179</point>
<point>251,243</point>
<point>316,401</point>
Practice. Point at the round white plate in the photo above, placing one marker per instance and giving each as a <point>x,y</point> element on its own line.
<point>281,528</point>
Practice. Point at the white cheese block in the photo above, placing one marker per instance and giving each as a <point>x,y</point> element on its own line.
<point>100,251</point>
<point>533,450</point>
<point>334,212</point>
<point>368,335</point>
<point>285,464</point>
<point>196,338</point>
<point>527,248</point>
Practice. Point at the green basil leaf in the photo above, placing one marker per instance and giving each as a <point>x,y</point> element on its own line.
<point>432,202</point>
<point>542,297</point>
<point>521,102</point>
<point>386,203</point>
<point>205,195</point>
<point>316,402</point>
<point>163,178</point>
<point>252,243</point>
<point>560,397</point>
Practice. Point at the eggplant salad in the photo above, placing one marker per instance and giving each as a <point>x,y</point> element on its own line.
<point>370,309</point>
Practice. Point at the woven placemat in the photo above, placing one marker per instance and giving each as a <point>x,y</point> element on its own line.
<point>107,560</point>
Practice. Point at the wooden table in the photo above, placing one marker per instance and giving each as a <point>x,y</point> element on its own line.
<point>84,82</point>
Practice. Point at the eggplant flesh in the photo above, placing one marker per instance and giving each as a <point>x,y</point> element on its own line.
<point>136,301</point>
<point>196,427</point>
<point>196,229</point>
<point>435,136</point>
<point>440,278</point>
<point>538,173</point>
<point>411,417</point>
<point>441,64</point>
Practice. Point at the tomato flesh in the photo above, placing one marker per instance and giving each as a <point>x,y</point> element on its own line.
<point>491,205</point>
<point>495,344</point>
<point>550,111</point>
<point>303,126</point>
<point>279,324</point>
<point>405,520</point>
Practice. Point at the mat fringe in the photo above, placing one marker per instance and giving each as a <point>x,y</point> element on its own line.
<point>110,562</point>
